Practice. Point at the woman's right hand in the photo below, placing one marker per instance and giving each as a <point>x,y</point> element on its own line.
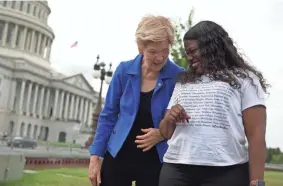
<point>94,171</point>
<point>176,114</point>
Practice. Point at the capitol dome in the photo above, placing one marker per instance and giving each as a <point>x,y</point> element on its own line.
<point>24,32</point>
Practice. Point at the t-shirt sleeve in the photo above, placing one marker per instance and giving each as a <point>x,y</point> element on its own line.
<point>175,95</point>
<point>252,93</point>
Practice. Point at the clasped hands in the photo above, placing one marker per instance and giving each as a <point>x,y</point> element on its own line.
<point>152,136</point>
<point>149,139</point>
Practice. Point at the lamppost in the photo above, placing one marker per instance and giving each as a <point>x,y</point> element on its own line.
<point>99,73</point>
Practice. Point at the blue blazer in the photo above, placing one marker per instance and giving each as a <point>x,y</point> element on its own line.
<point>122,103</point>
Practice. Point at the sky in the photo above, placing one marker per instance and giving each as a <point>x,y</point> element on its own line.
<point>108,28</point>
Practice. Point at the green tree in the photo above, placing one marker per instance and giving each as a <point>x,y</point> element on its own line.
<point>268,156</point>
<point>274,155</point>
<point>178,51</point>
<point>274,151</point>
<point>278,159</point>
<point>278,151</point>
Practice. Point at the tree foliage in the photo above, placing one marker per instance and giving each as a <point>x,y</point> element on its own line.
<point>274,155</point>
<point>178,52</point>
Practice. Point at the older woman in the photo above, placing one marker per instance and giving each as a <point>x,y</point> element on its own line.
<point>128,134</point>
<point>223,98</point>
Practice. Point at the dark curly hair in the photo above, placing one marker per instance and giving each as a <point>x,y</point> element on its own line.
<point>221,60</point>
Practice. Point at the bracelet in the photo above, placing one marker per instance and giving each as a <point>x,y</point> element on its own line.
<point>257,183</point>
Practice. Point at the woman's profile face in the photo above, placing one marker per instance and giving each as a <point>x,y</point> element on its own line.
<point>155,54</point>
<point>193,55</point>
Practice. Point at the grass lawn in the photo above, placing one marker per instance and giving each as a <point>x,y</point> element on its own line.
<point>75,177</point>
<point>53,177</point>
<point>274,178</point>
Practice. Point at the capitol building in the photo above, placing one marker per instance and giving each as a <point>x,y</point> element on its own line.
<point>35,100</point>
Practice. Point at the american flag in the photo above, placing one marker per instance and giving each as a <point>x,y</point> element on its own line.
<point>74,44</point>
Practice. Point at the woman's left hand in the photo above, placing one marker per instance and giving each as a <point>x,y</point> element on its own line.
<point>151,137</point>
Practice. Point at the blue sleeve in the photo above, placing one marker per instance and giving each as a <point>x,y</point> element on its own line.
<point>109,115</point>
<point>182,69</point>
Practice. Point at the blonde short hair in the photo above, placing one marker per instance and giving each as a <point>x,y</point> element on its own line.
<point>154,29</point>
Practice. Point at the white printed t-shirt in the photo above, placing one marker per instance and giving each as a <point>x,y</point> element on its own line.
<point>215,133</point>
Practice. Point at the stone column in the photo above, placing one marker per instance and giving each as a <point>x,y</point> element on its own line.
<point>35,98</point>
<point>28,99</point>
<point>23,38</point>
<point>46,48</point>
<point>45,51</point>
<point>37,11</point>
<point>9,4</point>
<point>67,106</point>
<point>5,31</point>
<point>85,112</point>
<point>40,106</point>
<point>25,8</point>
<point>31,131</point>
<point>14,36</point>
<point>19,129</point>
<point>55,114</point>
<point>37,132</point>
<point>40,132</point>
<point>42,46</point>
<point>23,86</point>
<point>46,114</point>
<point>76,108</point>
<point>71,116</point>
<point>61,115</point>
<point>37,50</point>
<point>17,4</point>
<point>49,49</point>
<point>81,110</point>
<point>32,41</point>
<point>90,111</point>
<point>12,94</point>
